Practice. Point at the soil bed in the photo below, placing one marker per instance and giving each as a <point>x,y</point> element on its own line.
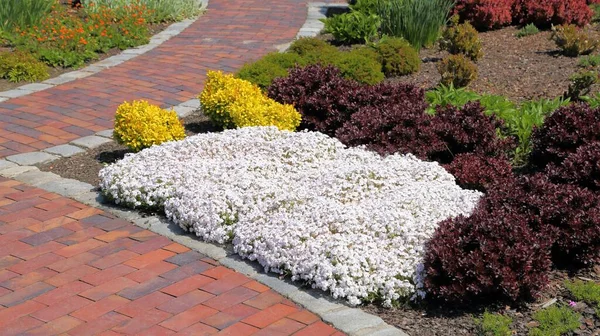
<point>85,166</point>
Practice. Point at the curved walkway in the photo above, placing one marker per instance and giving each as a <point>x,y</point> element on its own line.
<point>229,34</point>
<point>70,269</point>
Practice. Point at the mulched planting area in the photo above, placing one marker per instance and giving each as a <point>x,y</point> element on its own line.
<point>444,320</point>
<point>85,166</point>
<point>518,68</point>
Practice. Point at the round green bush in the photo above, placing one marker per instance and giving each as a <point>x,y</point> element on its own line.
<point>457,70</point>
<point>266,69</point>
<point>310,45</point>
<point>398,57</point>
<point>356,65</point>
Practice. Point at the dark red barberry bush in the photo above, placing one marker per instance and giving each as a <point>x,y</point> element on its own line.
<point>581,168</point>
<point>479,172</point>
<point>563,133</point>
<point>486,256</point>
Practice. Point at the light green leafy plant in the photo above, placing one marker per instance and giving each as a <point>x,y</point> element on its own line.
<point>354,27</point>
<point>162,10</point>
<point>581,84</point>
<point>590,61</point>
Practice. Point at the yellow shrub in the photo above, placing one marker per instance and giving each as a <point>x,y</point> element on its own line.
<point>139,125</point>
<point>231,102</point>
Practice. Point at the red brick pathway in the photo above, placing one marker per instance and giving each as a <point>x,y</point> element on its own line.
<point>69,269</point>
<point>231,33</point>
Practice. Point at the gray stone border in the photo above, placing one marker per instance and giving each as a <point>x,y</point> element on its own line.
<point>156,40</point>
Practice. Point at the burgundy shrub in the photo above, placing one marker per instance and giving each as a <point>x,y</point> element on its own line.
<point>479,172</point>
<point>486,256</point>
<point>485,14</point>
<point>543,13</point>
<point>466,130</point>
<point>323,97</point>
<point>581,168</point>
<point>563,133</point>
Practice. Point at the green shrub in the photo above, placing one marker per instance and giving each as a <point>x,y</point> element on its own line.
<point>309,45</point>
<point>587,291</point>
<point>462,39</point>
<point>19,66</point>
<point>494,325</point>
<point>353,27</point>
<point>596,9</point>
<point>555,321</point>
<point>55,57</point>
<point>271,66</point>
<point>457,70</point>
<point>572,41</point>
<point>528,30</point>
<point>355,65</point>
<point>420,22</point>
<point>160,10</point>
<point>590,61</point>
<point>397,57</point>
<point>365,6</point>
<point>581,84</point>
<point>23,13</point>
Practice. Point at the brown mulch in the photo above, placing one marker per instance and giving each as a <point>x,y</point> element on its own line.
<point>85,166</point>
<point>518,68</point>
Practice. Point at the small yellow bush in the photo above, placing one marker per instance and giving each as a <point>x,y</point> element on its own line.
<point>139,125</point>
<point>231,102</point>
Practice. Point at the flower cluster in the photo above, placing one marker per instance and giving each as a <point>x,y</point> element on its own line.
<point>345,220</point>
<point>232,102</point>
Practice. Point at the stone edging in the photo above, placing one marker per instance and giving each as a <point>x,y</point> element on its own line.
<point>125,55</point>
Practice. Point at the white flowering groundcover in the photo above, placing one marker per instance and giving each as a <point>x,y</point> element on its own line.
<point>345,220</point>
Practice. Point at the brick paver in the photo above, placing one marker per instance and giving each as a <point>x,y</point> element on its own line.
<point>68,278</point>
<point>229,34</point>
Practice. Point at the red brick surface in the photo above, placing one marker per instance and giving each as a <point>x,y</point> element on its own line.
<point>229,34</point>
<point>79,283</point>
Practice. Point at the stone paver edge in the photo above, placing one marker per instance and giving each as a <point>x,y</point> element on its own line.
<point>125,55</point>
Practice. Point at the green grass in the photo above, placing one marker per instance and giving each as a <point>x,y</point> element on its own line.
<point>23,13</point>
<point>494,325</point>
<point>163,10</point>
<point>420,22</point>
<point>528,30</point>
<point>555,321</point>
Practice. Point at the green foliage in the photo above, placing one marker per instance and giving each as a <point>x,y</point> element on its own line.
<point>397,57</point>
<point>587,291</point>
<point>555,321</point>
<point>462,39</point>
<point>310,45</point>
<point>573,41</point>
<point>355,65</point>
<point>444,95</point>
<point>353,27</point>
<point>19,66</point>
<point>457,70</point>
<point>596,9</point>
<point>420,22</point>
<point>266,69</point>
<point>528,30</point>
<point>55,57</point>
<point>160,10</point>
<point>494,325</point>
<point>590,61</point>
<point>581,84</point>
<point>365,6</point>
<point>23,13</point>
